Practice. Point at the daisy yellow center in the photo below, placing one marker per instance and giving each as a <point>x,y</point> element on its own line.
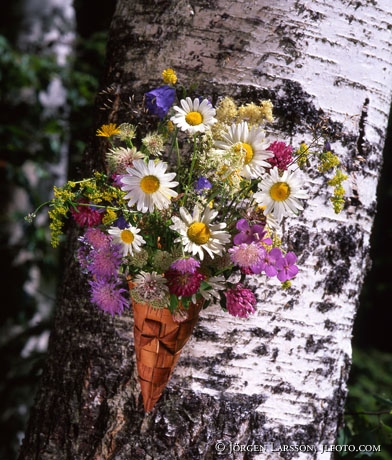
<point>199,233</point>
<point>127,236</point>
<point>149,184</point>
<point>194,118</point>
<point>280,191</point>
<point>247,149</point>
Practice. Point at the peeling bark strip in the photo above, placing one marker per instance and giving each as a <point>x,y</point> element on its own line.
<point>279,377</point>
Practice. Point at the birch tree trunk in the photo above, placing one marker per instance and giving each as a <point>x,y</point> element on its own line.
<point>279,377</point>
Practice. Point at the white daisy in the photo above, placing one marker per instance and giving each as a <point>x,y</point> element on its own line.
<point>128,238</point>
<point>251,142</point>
<point>197,234</point>
<point>280,194</point>
<point>216,284</point>
<point>194,116</point>
<point>148,185</point>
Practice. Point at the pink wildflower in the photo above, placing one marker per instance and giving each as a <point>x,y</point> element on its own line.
<point>248,233</point>
<point>249,257</point>
<point>86,216</point>
<point>270,260</point>
<point>185,265</point>
<point>286,267</point>
<point>283,155</point>
<point>240,301</point>
<point>183,284</point>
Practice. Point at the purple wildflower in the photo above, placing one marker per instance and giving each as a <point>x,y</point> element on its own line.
<point>106,261</point>
<point>248,233</point>
<point>202,184</point>
<point>270,260</point>
<point>159,100</point>
<point>185,265</point>
<point>240,301</point>
<point>286,267</point>
<point>117,180</point>
<point>283,155</point>
<point>96,238</point>
<point>83,257</point>
<point>108,296</point>
<point>121,223</point>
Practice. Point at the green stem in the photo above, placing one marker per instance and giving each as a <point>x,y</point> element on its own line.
<point>190,174</point>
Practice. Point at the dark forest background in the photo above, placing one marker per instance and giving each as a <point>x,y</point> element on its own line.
<point>28,136</point>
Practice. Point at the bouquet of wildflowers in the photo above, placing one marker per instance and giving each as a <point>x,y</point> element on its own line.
<point>192,209</point>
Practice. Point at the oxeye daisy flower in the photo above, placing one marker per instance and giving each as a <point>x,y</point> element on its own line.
<point>281,194</point>
<point>197,234</point>
<point>128,238</point>
<point>251,144</point>
<point>194,116</point>
<point>149,185</point>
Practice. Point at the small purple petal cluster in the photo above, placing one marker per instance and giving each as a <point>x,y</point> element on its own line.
<point>240,301</point>
<point>253,257</point>
<point>101,259</point>
<point>248,233</point>
<point>283,155</point>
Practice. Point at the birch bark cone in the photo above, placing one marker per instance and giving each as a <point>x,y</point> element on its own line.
<point>278,378</point>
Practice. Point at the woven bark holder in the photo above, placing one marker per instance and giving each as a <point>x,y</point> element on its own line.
<point>158,344</point>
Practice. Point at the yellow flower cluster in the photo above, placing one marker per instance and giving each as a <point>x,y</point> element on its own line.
<point>60,207</point>
<point>338,192</point>
<point>302,155</point>
<point>169,77</point>
<point>94,189</point>
<point>228,112</point>
<point>328,160</point>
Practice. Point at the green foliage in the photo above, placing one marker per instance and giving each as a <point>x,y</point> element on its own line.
<point>368,412</point>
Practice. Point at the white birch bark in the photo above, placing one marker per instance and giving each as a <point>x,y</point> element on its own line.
<point>295,352</point>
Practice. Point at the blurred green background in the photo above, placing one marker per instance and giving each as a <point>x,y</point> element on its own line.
<point>46,50</point>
